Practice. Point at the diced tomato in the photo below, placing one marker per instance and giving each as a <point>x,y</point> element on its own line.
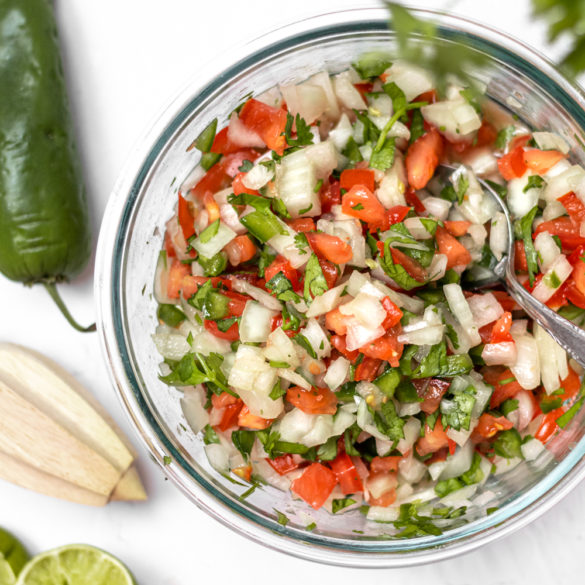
<point>169,247</point>
<point>486,135</point>
<point>222,144</point>
<point>240,249</point>
<point>237,302</point>
<point>177,272</point>
<point>251,421</point>
<point>277,321</point>
<point>393,313</point>
<point>224,399</point>
<point>238,186</point>
<point>433,439</point>
<point>214,180</point>
<point>338,342</point>
<point>549,425</point>
<point>501,329</point>
<point>329,195</point>
<point>346,473</point>
<point>230,415</point>
<point>413,200</point>
<point>571,384</point>
<point>186,219</point>
<point>364,89</point>
<point>512,165</point>
<point>329,272</point>
<point>315,485</point>
<point>357,177</point>
<point>302,224</point>
<point>541,161</point>
<point>457,254</point>
<point>507,302</point>
<point>577,259</point>
<point>520,261</point>
<point>281,264</point>
<point>232,334</point>
<point>368,369</point>
<point>361,202</point>
<point>386,348</point>
<point>574,295</point>
<point>488,425</point>
<point>268,122</point>
<point>314,401</point>
<point>422,158</point>
<point>502,392</point>
<point>574,206</point>
<point>397,214</point>
<point>385,464</point>
<point>329,247</point>
<point>283,464</point>
<point>192,283</point>
<point>565,228</point>
<point>457,228</point>
<point>411,266</point>
<point>430,96</point>
<point>431,391</point>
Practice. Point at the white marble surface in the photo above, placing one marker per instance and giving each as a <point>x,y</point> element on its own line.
<point>124,60</point>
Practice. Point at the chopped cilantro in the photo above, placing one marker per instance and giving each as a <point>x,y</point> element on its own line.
<point>209,435</point>
<point>304,134</point>
<point>341,503</point>
<point>534,182</point>
<point>315,283</point>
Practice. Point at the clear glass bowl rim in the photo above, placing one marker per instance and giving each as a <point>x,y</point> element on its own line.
<point>110,254</point>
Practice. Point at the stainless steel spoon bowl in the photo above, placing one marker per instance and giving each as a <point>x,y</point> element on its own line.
<point>568,335</point>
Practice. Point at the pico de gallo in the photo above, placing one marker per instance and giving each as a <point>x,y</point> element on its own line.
<point>316,291</point>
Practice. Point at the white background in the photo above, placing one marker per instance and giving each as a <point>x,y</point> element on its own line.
<point>124,60</point>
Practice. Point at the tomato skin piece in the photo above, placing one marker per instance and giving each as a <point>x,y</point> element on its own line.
<point>232,334</point>
<point>346,473</point>
<point>520,261</point>
<point>488,425</point>
<point>457,254</point>
<point>413,200</point>
<point>315,485</point>
<point>314,401</point>
<point>502,392</point>
<point>331,248</point>
<point>367,370</point>
<point>360,177</point>
<point>281,264</point>
<point>231,409</point>
<point>512,165</point>
<point>422,158</point>
<point>277,321</point>
<point>283,464</point>
<point>338,342</point>
<point>578,274</point>
<point>329,272</point>
<point>268,122</point>
<point>186,219</point>
<point>433,439</point>
<point>541,161</point>
<point>214,180</point>
<point>565,228</point>
<point>330,195</point>
<point>501,329</point>
<point>574,206</point>
<point>431,391</point>
<point>411,266</point>
<point>222,144</point>
<point>397,214</point>
<point>224,399</point>
<point>369,208</point>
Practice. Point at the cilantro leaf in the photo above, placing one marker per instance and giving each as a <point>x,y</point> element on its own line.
<point>315,283</point>
<point>243,441</point>
<point>388,422</point>
<point>534,182</point>
<point>301,243</point>
<point>301,340</point>
<point>339,504</point>
<point>209,435</point>
<point>328,450</point>
<point>204,141</point>
<point>372,64</point>
<point>523,231</point>
<point>304,134</point>
<point>456,408</point>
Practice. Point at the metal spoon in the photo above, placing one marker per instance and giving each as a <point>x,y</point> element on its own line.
<point>568,335</point>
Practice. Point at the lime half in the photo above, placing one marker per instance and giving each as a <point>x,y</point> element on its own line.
<point>75,564</point>
<point>13,557</point>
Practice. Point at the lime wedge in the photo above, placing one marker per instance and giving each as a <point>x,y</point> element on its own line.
<point>13,557</point>
<point>75,564</point>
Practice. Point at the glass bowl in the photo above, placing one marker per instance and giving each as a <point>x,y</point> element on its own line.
<point>516,77</point>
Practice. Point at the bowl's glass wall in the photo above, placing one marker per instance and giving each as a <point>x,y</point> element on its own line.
<point>510,81</point>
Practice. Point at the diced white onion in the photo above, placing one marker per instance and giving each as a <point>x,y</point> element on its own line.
<point>550,141</point>
<point>280,348</point>
<point>336,373</point>
<point>462,312</point>
<point>459,462</point>
<point>295,183</point>
<point>294,378</point>
<point>499,235</point>
<point>255,324</point>
<point>307,100</point>
<point>392,187</point>
<point>192,406</point>
<point>310,430</point>
<point>412,80</point>
<point>485,309</point>
<point>218,457</point>
<point>263,297</point>
<point>258,176</point>
<point>548,351</point>
<point>572,179</point>
<point>346,93</point>
<point>367,309</point>
<point>171,345</point>
<point>326,302</point>
<point>527,366</point>
<point>341,134</point>
<point>519,200</point>
<point>437,207</point>
<point>286,245</point>
<point>557,273</point>
<point>499,354</point>
<point>358,335</point>
<point>411,434</point>
<point>241,135</point>
<point>214,245</point>
<point>531,449</point>
<point>324,157</point>
<point>417,229</point>
<point>411,469</point>
<point>317,338</point>
<point>383,514</point>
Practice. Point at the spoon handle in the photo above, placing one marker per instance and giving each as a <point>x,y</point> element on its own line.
<point>568,335</point>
